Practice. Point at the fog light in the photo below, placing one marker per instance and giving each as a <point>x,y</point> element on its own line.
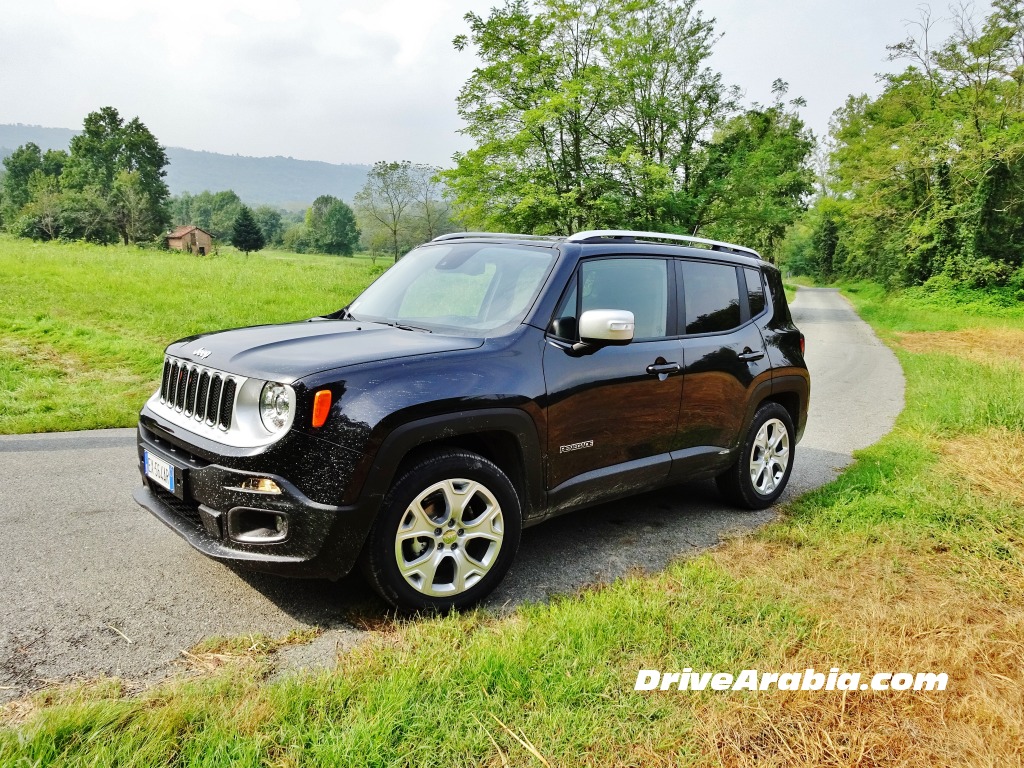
<point>260,485</point>
<point>257,526</point>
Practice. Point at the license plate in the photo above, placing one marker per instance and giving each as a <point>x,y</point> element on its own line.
<point>159,471</point>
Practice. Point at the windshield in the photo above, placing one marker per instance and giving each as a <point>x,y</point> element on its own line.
<point>457,286</point>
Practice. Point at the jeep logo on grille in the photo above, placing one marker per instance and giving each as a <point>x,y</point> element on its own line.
<point>202,353</point>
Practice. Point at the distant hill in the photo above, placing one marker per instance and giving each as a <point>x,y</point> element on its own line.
<point>280,181</point>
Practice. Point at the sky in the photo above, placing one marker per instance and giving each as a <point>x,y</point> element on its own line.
<point>356,82</point>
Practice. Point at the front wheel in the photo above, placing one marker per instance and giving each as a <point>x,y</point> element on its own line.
<point>446,534</point>
<point>761,472</point>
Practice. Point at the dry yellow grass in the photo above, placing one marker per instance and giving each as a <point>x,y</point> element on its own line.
<point>892,609</point>
<point>983,345</point>
<point>996,466</point>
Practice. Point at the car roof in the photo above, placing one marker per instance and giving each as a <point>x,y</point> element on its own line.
<point>605,240</point>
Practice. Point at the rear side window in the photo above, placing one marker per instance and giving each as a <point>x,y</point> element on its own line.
<point>712,297</point>
<point>755,291</point>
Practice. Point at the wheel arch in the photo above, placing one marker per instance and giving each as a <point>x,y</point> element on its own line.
<point>793,393</point>
<point>505,436</point>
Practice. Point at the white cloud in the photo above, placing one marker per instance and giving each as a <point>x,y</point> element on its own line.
<point>348,81</point>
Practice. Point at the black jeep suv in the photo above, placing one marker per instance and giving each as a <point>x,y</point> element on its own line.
<point>482,384</point>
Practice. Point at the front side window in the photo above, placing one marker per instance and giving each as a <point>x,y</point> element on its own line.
<point>637,285</point>
<point>712,297</point>
<point>457,286</point>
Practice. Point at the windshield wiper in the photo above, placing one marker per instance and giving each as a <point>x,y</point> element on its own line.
<point>402,326</point>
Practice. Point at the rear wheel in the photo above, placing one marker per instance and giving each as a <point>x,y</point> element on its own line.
<point>761,472</point>
<point>446,534</point>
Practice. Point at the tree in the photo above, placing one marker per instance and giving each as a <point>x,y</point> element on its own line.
<point>339,235</point>
<point>385,199</point>
<point>929,175</point>
<point>85,215</point>
<point>246,234</point>
<point>106,150</point>
<point>756,177</point>
<point>131,208</point>
<point>213,211</point>
<point>586,114</point>
<point>20,165</point>
<point>271,223</point>
<point>432,210</point>
<point>331,226</point>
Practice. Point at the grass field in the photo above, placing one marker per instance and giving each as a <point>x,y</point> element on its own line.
<point>83,327</point>
<point>912,561</point>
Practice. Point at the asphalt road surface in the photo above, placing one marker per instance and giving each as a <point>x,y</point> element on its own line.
<point>94,585</point>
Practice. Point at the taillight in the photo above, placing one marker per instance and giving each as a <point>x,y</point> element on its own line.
<point>802,344</point>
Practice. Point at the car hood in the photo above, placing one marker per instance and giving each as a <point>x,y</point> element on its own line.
<point>293,350</point>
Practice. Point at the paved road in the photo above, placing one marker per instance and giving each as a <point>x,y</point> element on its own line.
<point>83,570</point>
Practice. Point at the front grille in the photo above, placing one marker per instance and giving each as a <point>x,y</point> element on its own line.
<point>199,393</point>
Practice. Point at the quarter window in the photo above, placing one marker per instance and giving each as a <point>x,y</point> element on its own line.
<point>712,297</point>
<point>755,291</point>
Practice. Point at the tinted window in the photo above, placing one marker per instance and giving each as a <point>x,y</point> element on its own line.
<point>712,297</point>
<point>638,285</point>
<point>755,291</point>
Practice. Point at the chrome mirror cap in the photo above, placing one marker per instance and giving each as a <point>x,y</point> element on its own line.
<point>607,326</point>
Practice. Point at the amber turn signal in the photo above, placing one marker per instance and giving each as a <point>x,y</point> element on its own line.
<point>321,407</point>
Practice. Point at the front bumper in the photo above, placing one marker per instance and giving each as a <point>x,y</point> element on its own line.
<point>212,512</point>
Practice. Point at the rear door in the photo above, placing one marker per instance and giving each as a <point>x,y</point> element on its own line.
<point>612,414</point>
<point>725,360</point>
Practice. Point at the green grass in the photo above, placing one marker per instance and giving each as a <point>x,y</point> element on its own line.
<point>83,327</point>
<point>902,563</point>
<point>920,309</point>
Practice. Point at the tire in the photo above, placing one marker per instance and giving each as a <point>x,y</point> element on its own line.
<point>447,533</point>
<point>761,472</point>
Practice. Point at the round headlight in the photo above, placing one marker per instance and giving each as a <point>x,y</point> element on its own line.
<point>275,406</point>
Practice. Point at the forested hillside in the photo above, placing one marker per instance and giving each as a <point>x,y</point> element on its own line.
<point>279,181</point>
<point>925,183</point>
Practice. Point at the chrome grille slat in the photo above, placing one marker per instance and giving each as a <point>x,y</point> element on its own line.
<point>179,400</point>
<point>227,407</point>
<point>190,391</point>
<point>213,411</point>
<point>202,394</point>
<point>165,381</point>
<point>172,387</point>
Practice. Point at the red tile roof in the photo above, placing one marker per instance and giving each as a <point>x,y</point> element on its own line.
<point>184,230</point>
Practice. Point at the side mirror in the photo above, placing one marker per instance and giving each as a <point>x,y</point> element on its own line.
<point>601,327</point>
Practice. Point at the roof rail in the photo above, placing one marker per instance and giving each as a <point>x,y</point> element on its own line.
<point>492,235</point>
<point>622,234</point>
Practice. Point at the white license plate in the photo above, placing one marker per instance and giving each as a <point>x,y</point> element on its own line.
<point>159,471</point>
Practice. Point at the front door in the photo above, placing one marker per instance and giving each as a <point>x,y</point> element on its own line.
<point>612,413</point>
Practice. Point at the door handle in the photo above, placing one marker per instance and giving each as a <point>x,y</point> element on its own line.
<point>663,368</point>
<point>748,355</point>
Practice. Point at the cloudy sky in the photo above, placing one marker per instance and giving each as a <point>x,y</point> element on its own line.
<point>347,81</point>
